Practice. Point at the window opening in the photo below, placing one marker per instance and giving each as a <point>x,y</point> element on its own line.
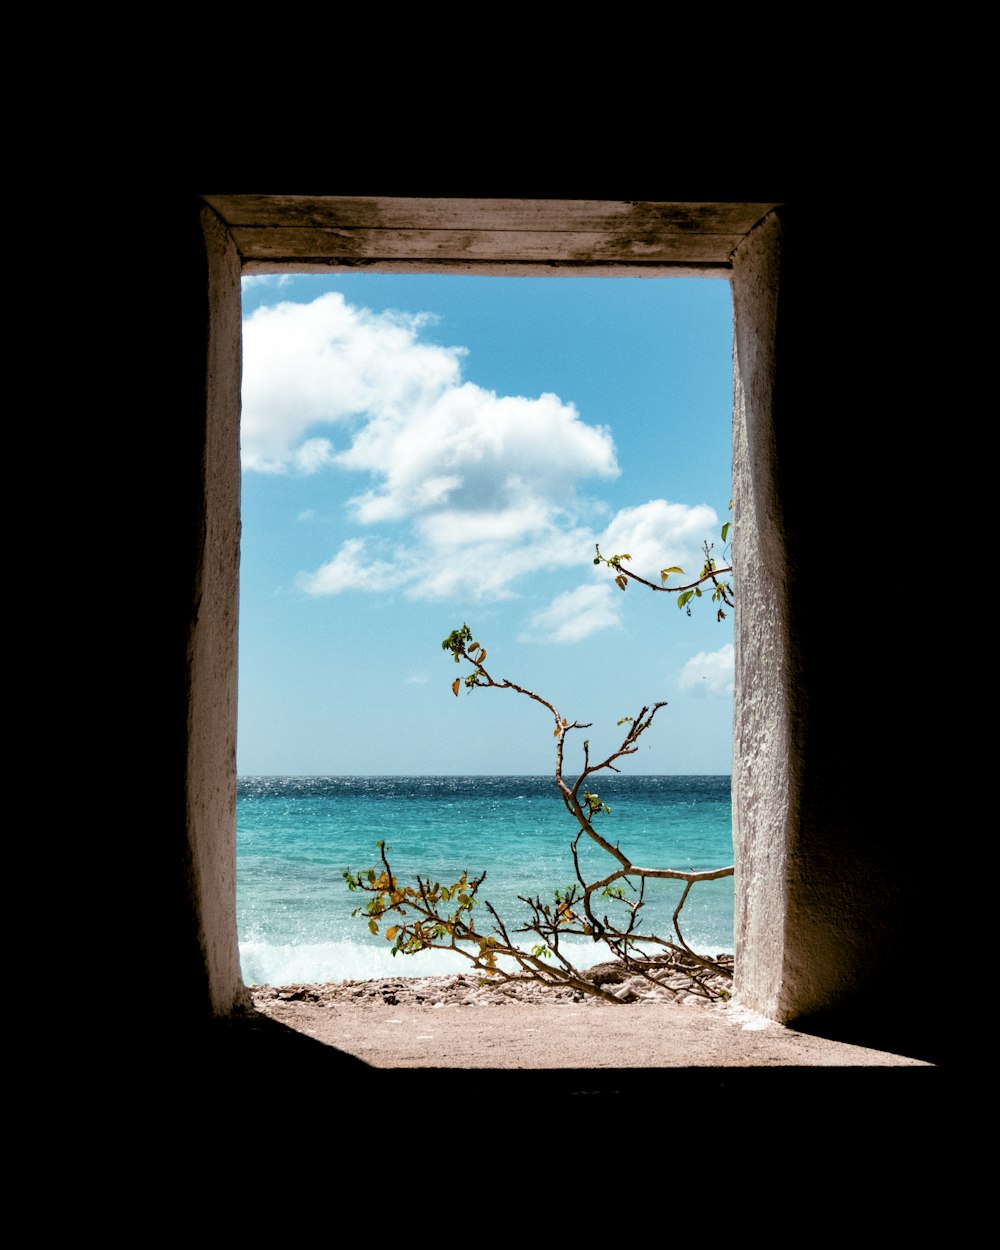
<point>420,452</point>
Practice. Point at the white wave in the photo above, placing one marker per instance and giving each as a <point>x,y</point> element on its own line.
<point>310,963</point>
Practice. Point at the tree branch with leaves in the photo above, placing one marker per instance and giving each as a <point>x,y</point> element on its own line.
<point>722,591</point>
<point>609,909</point>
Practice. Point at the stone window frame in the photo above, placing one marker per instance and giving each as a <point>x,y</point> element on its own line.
<point>770,976</point>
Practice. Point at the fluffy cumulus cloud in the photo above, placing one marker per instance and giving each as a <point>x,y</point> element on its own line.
<point>484,485</point>
<point>310,367</point>
<point>659,535</point>
<point>710,673</point>
<point>473,449</point>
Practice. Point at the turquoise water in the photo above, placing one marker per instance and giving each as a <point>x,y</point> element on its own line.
<point>297,835</point>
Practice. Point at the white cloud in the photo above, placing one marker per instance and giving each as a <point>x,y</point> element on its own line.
<point>473,450</point>
<point>485,483</point>
<point>660,534</point>
<point>575,615</point>
<point>711,672</point>
<point>265,279</point>
<point>348,571</point>
<point>488,570</point>
<point>324,363</point>
<point>417,679</point>
<point>446,568</point>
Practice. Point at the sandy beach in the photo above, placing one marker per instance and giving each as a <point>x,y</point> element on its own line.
<point>454,1022</point>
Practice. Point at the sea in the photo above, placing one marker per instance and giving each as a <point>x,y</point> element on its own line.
<point>296,836</point>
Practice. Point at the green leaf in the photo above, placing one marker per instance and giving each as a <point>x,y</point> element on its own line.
<point>725,530</point>
<point>684,598</point>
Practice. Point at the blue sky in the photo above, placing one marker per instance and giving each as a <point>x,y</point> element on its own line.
<point>425,451</point>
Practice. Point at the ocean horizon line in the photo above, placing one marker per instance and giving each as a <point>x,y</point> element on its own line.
<point>436,776</point>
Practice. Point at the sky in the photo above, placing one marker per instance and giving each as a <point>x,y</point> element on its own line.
<point>422,452</point>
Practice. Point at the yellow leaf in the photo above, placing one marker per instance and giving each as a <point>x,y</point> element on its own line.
<point>455,685</point>
<point>391,933</point>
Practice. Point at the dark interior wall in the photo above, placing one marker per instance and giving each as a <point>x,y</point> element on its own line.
<point>866,740</point>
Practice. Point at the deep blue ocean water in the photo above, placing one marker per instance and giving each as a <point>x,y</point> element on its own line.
<point>295,836</point>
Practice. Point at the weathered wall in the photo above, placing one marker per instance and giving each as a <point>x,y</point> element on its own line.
<point>196,401</point>
<point>213,644</point>
<point>764,782</point>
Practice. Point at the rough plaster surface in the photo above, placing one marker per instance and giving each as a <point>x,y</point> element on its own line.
<point>763,793</point>
<point>213,638</point>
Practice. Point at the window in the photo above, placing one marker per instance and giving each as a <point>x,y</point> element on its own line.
<point>511,477</point>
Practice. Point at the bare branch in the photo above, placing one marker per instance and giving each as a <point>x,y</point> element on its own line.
<point>429,918</point>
